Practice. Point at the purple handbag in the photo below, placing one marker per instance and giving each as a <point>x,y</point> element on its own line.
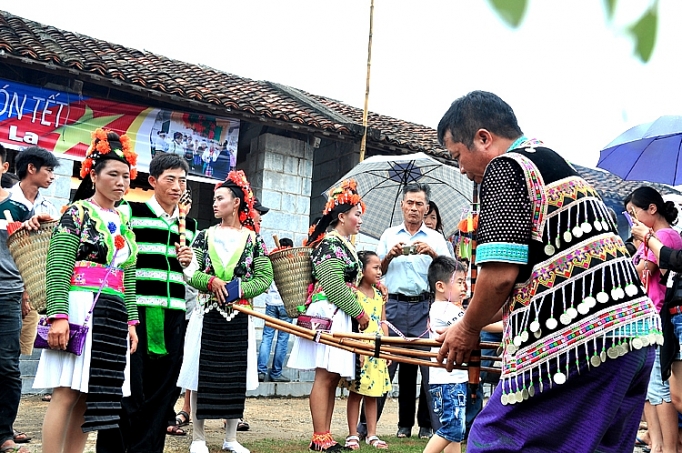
<point>77,333</point>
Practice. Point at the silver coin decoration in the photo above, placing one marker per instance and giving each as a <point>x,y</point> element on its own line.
<point>636,343</point>
<point>621,293</point>
<point>511,348</point>
<point>517,341</point>
<point>524,336</point>
<point>595,361</point>
<point>557,242</point>
<point>534,326</point>
<point>602,297</point>
<point>537,334</point>
<point>504,399</point>
<point>559,378</point>
<point>644,340</point>
<point>577,232</point>
<point>605,225</point>
<point>572,312</point>
<point>531,391</point>
<point>583,308</point>
<point>551,323</point>
<point>586,227</point>
<point>590,301</point>
<point>602,356</point>
<point>568,237</point>
<point>597,225</point>
<point>615,294</point>
<point>565,319</point>
<point>631,289</point>
<point>549,250</point>
<point>519,396</point>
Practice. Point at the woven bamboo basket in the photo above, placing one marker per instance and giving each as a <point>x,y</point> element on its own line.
<point>29,251</point>
<point>293,274</point>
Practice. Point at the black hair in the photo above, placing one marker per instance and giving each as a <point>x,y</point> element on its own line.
<point>644,196</point>
<point>37,156</point>
<point>630,246</point>
<point>441,269</point>
<point>365,255</point>
<point>286,242</point>
<point>86,189</point>
<point>165,161</point>
<point>478,110</point>
<point>439,221</point>
<point>3,155</point>
<point>8,180</point>
<point>417,187</point>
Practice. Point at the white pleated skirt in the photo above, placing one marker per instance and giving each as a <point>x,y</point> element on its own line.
<point>308,355</point>
<point>63,369</point>
<point>189,372</point>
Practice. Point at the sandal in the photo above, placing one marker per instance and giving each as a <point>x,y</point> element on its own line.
<point>14,449</point>
<point>182,418</point>
<point>325,443</point>
<point>175,430</point>
<point>377,443</point>
<point>46,397</point>
<point>20,438</point>
<point>352,443</point>
<point>242,425</point>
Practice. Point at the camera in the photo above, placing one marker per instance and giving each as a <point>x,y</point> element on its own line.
<point>409,250</point>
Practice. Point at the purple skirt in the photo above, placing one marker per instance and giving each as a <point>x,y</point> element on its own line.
<point>594,410</point>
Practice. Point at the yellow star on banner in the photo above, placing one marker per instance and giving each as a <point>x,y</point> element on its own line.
<point>81,131</point>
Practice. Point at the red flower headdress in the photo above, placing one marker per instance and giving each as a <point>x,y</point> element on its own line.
<point>345,194</point>
<point>100,146</point>
<point>238,178</point>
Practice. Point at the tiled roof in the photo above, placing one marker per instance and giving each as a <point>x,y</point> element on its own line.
<point>29,41</point>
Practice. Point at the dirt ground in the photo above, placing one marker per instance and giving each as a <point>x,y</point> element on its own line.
<point>269,418</point>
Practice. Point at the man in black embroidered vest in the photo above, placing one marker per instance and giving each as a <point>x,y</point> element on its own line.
<point>579,329</point>
<point>160,290</point>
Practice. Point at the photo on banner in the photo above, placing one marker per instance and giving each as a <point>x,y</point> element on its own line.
<point>62,122</point>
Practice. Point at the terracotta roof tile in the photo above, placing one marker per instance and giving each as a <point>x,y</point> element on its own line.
<point>44,43</point>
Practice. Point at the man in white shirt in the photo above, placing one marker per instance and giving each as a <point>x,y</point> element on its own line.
<point>35,170</point>
<point>406,251</point>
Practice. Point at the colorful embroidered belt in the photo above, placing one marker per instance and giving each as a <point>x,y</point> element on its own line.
<point>88,276</point>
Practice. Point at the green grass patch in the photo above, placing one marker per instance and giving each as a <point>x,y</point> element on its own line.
<point>411,445</point>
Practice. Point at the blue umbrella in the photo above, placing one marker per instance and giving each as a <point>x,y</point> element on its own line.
<point>648,152</point>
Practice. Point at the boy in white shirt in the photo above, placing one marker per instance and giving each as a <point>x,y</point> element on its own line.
<point>447,279</point>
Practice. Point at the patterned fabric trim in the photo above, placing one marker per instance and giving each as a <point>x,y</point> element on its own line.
<point>158,249</point>
<point>572,187</point>
<point>164,302</point>
<point>153,274</point>
<point>536,191</point>
<point>158,224</point>
<point>502,252</point>
<point>564,266</point>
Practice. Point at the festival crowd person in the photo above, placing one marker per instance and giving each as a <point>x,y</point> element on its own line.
<point>233,267</point>
<point>336,270</point>
<point>671,314</point>
<point>371,379</point>
<point>35,169</point>
<point>10,321</point>
<point>89,280</point>
<point>160,291</point>
<point>406,251</point>
<point>579,330</point>
<point>433,220</point>
<point>274,307</point>
<point>646,205</point>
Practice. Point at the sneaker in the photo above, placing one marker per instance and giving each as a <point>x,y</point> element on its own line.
<point>198,446</point>
<point>280,378</point>
<point>425,433</point>
<point>403,432</point>
<point>235,447</point>
<point>262,377</point>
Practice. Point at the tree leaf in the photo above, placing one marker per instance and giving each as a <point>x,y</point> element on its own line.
<point>510,11</point>
<point>610,8</point>
<point>644,32</point>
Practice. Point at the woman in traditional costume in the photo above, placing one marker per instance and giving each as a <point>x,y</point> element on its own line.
<point>233,267</point>
<point>337,270</point>
<point>91,267</point>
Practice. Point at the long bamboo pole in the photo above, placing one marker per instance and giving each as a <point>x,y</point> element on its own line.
<point>365,112</point>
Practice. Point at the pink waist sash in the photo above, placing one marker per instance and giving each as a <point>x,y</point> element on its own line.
<point>90,275</point>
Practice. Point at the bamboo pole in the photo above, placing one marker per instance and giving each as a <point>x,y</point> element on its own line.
<point>365,112</point>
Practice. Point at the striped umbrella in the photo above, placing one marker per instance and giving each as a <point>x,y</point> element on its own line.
<point>381,180</point>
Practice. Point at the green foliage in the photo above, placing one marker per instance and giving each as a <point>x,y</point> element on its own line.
<point>644,31</point>
<point>610,8</point>
<point>510,11</point>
